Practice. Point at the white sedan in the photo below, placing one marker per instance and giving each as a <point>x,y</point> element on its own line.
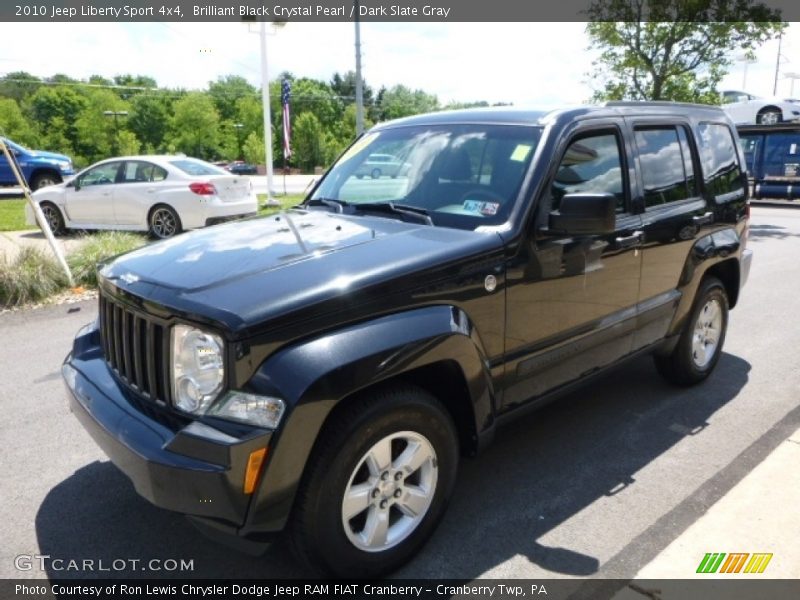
<point>160,194</point>
<point>746,109</point>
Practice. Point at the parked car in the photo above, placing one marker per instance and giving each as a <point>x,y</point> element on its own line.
<point>772,156</point>
<point>379,165</point>
<point>239,167</point>
<point>160,194</point>
<point>322,370</point>
<point>40,168</point>
<point>746,109</point>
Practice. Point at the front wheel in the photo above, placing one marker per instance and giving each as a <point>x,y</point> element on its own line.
<point>700,345</point>
<point>377,484</point>
<point>769,117</point>
<point>54,218</point>
<point>44,179</point>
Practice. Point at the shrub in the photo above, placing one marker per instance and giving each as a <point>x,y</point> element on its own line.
<point>32,276</point>
<point>98,247</point>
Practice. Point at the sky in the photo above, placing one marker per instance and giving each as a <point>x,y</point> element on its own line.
<point>542,64</point>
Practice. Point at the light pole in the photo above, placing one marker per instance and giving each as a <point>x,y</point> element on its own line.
<point>267,115</point>
<point>359,84</point>
<point>747,60</point>
<point>115,114</point>
<point>238,127</point>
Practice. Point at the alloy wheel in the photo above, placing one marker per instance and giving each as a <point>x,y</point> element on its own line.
<point>707,333</point>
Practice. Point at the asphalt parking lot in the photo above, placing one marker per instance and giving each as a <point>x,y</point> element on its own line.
<point>594,485</point>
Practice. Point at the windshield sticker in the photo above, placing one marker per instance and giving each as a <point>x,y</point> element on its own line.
<point>520,153</point>
<point>358,146</point>
<point>481,208</point>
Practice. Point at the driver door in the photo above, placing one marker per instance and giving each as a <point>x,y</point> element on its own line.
<point>89,197</point>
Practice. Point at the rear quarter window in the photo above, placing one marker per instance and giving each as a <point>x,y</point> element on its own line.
<point>721,169</point>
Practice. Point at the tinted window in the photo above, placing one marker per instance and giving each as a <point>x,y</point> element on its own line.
<point>138,172</point>
<point>591,164</point>
<point>664,159</point>
<point>782,154</point>
<point>720,163</point>
<point>197,167</point>
<point>100,175</point>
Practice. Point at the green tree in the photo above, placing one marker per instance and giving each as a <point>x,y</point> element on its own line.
<point>195,126</point>
<point>14,125</point>
<point>227,91</point>
<point>149,119</point>
<point>674,49</point>
<point>55,111</point>
<point>97,134</point>
<point>400,101</point>
<point>19,85</point>
<point>253,148</point>
<point>308,139</point>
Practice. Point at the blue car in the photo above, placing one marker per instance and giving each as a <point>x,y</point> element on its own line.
<point>39,168</point>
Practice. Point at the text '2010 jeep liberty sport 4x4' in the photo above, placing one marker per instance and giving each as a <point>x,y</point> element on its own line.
<point>323,369</point>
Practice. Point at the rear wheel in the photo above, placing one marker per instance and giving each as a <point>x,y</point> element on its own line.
<point>377,484</point>
<point>54,218</point>
<point>700,345</point>
<point>376,172</point>
<point>164,222</point>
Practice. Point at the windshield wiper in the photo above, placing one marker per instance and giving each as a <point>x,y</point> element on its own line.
<point>338,205</point>
<point>420,215</point>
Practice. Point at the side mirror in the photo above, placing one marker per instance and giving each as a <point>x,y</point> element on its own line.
<point>589,214</point>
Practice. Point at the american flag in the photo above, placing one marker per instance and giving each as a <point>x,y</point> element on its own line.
<point>286,95</point>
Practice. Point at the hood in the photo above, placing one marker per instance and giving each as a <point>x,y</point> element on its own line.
<point>244,273</point>
<point>48,155</point>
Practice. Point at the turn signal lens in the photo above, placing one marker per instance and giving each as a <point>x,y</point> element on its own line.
<point>253,469</point>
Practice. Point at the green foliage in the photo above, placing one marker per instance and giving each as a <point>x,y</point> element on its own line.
<point>672,50</point>
<point>253,148</point>
<point>30,277</point>
<point>149,118</point>
<point>14,125</point>
<point>97,248</point>
<point>195,126</point>
<point>400,101</point>
<point>308,141</point>
<point>227,91</point>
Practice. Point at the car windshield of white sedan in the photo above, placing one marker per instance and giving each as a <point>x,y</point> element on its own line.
<point>197,167</point>
<point>460,175</point>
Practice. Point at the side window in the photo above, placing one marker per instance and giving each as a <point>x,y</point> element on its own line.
<point>100,175</point>
<point>782,154</point>
<point>139,171</point>
<point>666,164</point>
<point>721,169</point>
<point>591,164</point>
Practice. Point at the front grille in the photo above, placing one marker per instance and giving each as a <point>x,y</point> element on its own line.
<point>136,347</point>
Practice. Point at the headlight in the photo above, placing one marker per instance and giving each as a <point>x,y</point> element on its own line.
<point>263,411</point>
<point>197,368</point>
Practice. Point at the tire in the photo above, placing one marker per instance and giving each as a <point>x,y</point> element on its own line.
<point>164,222</point>
<point>54,218</point>
<point>44,178</point>
<point>700,345</point>
<point>376,172</point>
<point>390,425</point>
<point>769,117</point>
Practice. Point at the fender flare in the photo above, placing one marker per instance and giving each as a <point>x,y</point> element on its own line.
<point>315,375</point>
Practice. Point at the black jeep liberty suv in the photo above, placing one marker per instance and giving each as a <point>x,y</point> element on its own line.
<point>322,370</point>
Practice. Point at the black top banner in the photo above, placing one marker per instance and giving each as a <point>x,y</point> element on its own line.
<point>341,10</point>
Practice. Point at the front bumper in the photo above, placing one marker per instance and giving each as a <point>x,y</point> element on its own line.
<point>190,468</point>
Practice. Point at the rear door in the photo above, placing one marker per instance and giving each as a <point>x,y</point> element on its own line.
<point>139,184</point>
<point>675,213</point>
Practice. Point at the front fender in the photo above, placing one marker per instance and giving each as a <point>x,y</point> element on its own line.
<point>314,376</point>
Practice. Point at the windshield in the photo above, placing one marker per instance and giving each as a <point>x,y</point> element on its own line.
<point>463,175</point>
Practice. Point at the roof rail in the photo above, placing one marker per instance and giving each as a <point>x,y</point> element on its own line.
<point>612,103</point>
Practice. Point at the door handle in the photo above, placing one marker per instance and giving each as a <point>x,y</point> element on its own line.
<point>628,241</point>
<point>703,219</point>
